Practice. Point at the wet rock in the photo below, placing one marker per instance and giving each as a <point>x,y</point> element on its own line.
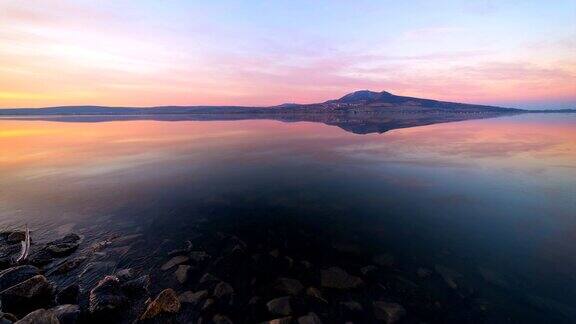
<point>70,238</point>
<point>93,272</point>
<point>67,314</point>
<point>311,318</point>
<point>7,318</point>
<point>166,302</point>
<point>106,297</point>
<point>384,260</point>
<point>221,319</point>
<point>174,262</point>
<point>316,293</point>
<point>16,237</point>
<point>275,253</point>
<point>337,278</point>
<point>40,257</point>
<point>39,316</point>
<point>30,294</point>
<point>207,278</point>
<point>68,295</point>
<point>181,273</point>
<point>368,270</point>
<point>193,298</point>
<point>352,307</point>
<point>283,320</point>
<point>62,249</point>
<point>288,286</point>
<point>223,289</point>
<point>8,253</point>
<point>199,256</point>
<point>280,306</point>
<point>125,274</point>
<point>388,312</point>
<point>137,286</point>
<point>208,304</point>
<point>16,275</point>
<point>70,265</point>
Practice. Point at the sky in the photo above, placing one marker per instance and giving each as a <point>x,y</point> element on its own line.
<point>513,53</point>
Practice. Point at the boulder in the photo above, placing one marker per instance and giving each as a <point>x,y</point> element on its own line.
<point>125,274</point>
<point>388,312</point>
<point>62,249</point>
<point>199,256</point>
<point>68,295</point>
<point>280,306</point>
<point>166,302</point>
<point>70,265</point>
<point>39,316</point>
<point>193,298</point>
<point>352,307</point>
<point>316,293</point>
<point>107,297</point>
<point>30,294</point>
<point>179,259</point>
<point>208,278</point>
<point>70,238</point>
<point>368,270</point>
<point>67,314</point>
<point>283,320</point>
<point>337,278</point>
<point>16,275</point>
<point>288,286</point>
<point>16,237</point>
<point>221,319</point>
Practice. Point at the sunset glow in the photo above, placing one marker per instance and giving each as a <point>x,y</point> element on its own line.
<point>146,53</point>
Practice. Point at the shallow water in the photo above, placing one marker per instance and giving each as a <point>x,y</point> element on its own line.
<point>492,200</point>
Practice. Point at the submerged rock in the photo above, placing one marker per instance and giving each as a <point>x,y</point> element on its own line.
<point>39,316</point>
<point>388,312</point>
<point>337,278</point>
<point>166,302</point>
<point>107,297</point>
<point>68,295</point>
<point>137,286</point>
<point>33,293</point>
<point>62,249</point>
<point>70,265</point>
<point>288,286</point>
<point>125,274</point>
<point>70,238</point>
<point>94,271</point>
<point>16,275</point>
<point>280,306</point>
<point>193,298</point>
<point>174,262</point>
<point>66,314</point>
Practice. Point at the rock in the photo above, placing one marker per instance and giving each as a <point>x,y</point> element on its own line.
<point>174,262</point>
<point>70,238</point>
<point>221,319</point>
<point>388,312</point>
<point>280,306</point>
<point>275,253</point>
<point>223,289</point>
<point>16,275</point>
<point>68,295</point>
<point>448,275</point>
<point>39,316</point>
<point>16,237</point>
<point>138,286</point>
<point>30,294</point>
<point>283,320</point>
<point>352,307</point>
<point>207,278</point>
<point>315,292</point>
<point>181,273</point>
<point>208,304</point>
<point>7,318</point>
<point>93,272</point>
<point>62,249</point>
<point>288,286</point>
<point>337,278</point>
<point>199,256</point>
<point>107,297</point>
<point>384,260</point>
<point>125,274</point>
<point>311,318</point>
<point>67,314</point>
<point>40,257</point>
<point>193,298</point>
<point>166,302</point>
<point>70,265</point>
<point>368,270</point>
<point>423,273</point>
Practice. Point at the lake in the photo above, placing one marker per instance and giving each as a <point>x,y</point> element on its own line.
<point>471,221</point>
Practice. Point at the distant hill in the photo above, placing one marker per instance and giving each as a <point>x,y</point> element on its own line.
<point>363,101</point>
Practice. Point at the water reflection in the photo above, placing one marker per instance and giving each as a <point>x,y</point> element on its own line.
<point>497,192</point>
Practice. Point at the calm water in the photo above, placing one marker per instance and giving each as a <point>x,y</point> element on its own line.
<point>494,200</point>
